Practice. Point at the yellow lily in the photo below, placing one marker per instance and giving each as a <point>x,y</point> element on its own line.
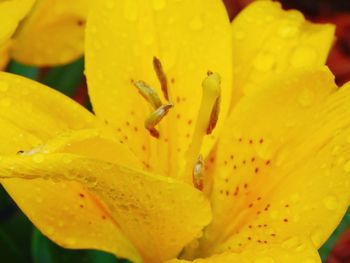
<point>273,179</point>
<point>51,33</point>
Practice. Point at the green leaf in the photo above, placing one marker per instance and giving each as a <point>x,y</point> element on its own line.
<point>67,78</point>
<point>23,70</point>
<point>15,231</point>
<point>327,248</point>
<point>45,251</point>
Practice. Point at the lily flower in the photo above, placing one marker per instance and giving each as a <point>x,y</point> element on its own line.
<point>179,163</point>
<point>42,32</point>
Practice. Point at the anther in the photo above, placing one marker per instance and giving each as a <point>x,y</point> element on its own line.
<point>158,68</point>
<point>149,94</point>
<point>155,118</point>
<point>214,116</point>
<point>197,176</point>
<point>211,85</point>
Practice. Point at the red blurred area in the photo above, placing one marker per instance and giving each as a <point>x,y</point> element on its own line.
<point>341,252</point>
<point>339,58</point>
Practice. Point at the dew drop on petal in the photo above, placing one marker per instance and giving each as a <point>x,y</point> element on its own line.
<point>303,56</point>
<point>347,167</point>
<point>70,241</point>
<point>316,237</point>
<point>196,23</point>
<point>60,223</point>
<point>110,4</point>
<point>264,61</point>
<point>239,34</point>
<point>38,158</point>
<point>330,202</point>
<point>158,4</point>
<point>4,86</point>
<point>5,102</point>
<point>291,243</point>
<point>306,97</point>
<point>148,38</point>
<point>287,31</point>
<point>130,10</point>
<point>50,231</point>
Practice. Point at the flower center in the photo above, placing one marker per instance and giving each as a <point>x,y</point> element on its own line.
<point>205,123</point>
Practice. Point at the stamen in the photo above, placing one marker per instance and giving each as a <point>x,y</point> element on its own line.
<point>206,119</point>
<point>149,94</point>
<point>161,77</point>
<point>214,116</point>
<point>197,176</point>
<point>155,118</point>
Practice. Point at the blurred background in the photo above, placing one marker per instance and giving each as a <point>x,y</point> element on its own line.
<point>21,242</point>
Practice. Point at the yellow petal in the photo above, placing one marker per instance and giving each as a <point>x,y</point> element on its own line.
<point>268,40</point>
<point>4,54</point>
<point>30,115</point>
<point>122,39</point>
<point>38,110</point>
<point>282,166</point>
<point>53,33</point>
<point>147,208</point>
<point>288,252</point>
<point>77,218</point>
<point>70,215</point>
<point>11,13</point>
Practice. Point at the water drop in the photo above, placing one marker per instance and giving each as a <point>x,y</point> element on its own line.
<point>5,102</point>
<point>287,30</point>
<point>330,202</point>
<point>38,158</point>
<point>303,56</point>
<point>295,198</point>
<point>335,150</point>
<point>347,167</point>
<point>110,4</point>
<point>196,23</point>
<point>264,61</point>
<point>50,230</point>
<point>265,150</point>
<point>317,237</point>
<point>131,11</point>
<point>158,4</point>
<point>66,159</point>
<point>91,181</point>
<point>306,97</point>
<point>4,86</point>
<point>70,241</point>
<point>291,243</point>
<point>239,34</point>
<point>148,37</point>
